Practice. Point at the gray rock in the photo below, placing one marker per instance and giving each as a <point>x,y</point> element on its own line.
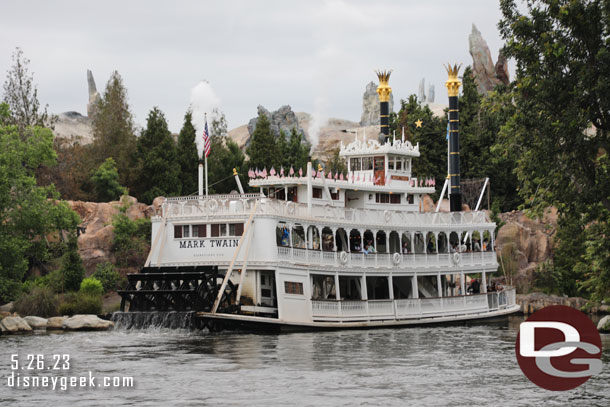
<point>604,325</point>
<point>56,323</point>
<point>36,322</point>
<point>486,75</point>
<point>8,307</point>
<point>14,325</point>
<point>283,119</point>
<point>421,94</point>
<point>370,105</point>
<point>74,127</point>
<point>430,93</point>
<point>86,323</point>
<point>94,96</point>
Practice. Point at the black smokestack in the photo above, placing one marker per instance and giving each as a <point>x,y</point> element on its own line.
<point>384,91</point>
<point>453,88</point>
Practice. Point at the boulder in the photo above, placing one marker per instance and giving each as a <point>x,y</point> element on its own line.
<point>86,323</point>
<point>604,325</point>
<point>8,307</point>
<point>36,322</point>
<point>55,323</point>
<point>533,302</point>
<point>428,204</point>
<point>14,325</point>
<point>370,105</point>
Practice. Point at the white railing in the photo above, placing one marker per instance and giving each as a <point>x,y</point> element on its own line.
<point>241,204</point>
<point>299,256</point>
<point>414,307</point>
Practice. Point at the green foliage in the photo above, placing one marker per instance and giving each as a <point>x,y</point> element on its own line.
<point>560,128</point>
<point>187,156</point>
<point>113,130</point>
<point>131,240</point>
<point>262,151</point>
<point>106,182</point>
<point>21,96</point>
<point>158,161</point>
<point>80,303</point>
<point>298,151</point>
<point>41,301</point>
<point>335,163</point>
<point>28,213</point>
<point>108,276</point>
<point>72,267</point>
<point>91,286</point>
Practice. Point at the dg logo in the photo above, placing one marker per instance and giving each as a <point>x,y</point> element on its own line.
<point>559,348</point>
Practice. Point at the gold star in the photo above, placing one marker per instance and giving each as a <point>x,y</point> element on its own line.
<point>418,123</point>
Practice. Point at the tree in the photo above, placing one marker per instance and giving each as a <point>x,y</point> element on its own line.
<point>336,163</point>
<point>72,268</point>
<point>298,152</point>
<point>21,94</point>
<point>113,130</point>
<point>158,161</point>
<point>262,151</point>
<point>106,182</point>
<point>187,155</point>
<point>560,127</point>
<point>28,213</point>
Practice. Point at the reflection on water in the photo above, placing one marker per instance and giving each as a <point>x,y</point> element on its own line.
<point>454,365</point>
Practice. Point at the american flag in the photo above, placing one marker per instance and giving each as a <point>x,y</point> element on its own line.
<point>206,140</point>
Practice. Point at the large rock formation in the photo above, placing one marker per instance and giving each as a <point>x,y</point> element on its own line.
<point>486,75</point>
<point>283,119</point>
<point>74,127</point>
<point>533,302</point>
<point>95,245</point>
<point>370,105</point>
<point>14,324</point>
<point>94,96</point>
<point>86,323</point>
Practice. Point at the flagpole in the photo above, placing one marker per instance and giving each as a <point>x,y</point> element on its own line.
<point>206,156</point>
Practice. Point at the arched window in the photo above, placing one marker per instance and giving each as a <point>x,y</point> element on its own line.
<point>406,243</point>
<point>341,240</point>
<point>313,238</point>
<point>381,242</point>
<point>282,234</point>
<point>298,236</point>
<point>328,240</point>
<point>355,241</point>
<point>430,243</point>
<point>419,243</point>
<point>394,242</point>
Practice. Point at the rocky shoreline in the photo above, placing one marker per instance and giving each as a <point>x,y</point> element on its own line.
<point>15,324</point>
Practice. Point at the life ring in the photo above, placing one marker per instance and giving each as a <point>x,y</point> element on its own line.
<point>212,205</point>
<point>343,257</point>
<point>387,215</point>
<point>396,258</point>
<point>290,208</point>
<point>456,258</point>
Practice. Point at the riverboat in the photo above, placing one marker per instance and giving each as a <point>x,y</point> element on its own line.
<point>316,249</point>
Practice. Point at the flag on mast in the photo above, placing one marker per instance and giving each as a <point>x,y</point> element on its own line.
<point>206,139</point>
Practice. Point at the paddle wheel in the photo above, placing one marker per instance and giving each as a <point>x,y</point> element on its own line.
<point>178,289</point>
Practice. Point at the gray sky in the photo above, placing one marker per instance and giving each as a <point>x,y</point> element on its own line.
<point>312,55</point>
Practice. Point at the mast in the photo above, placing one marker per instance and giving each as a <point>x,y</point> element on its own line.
<point>384,91</point>
<point>453,88</point>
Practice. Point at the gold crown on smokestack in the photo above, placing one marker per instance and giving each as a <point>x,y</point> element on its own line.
<point>384,90</point>
<point>453,83</point>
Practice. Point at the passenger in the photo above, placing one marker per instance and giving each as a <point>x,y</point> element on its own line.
<point>405,248</point>
<point>370,249</point>
<point>357,247</point>
<point>486,245</point>
<point>285,237</point>
<point>477,245</point>
<point>430,247</point>
<point>476,287</point>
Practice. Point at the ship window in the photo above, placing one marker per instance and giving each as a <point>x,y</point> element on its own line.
<point>367,163</point>
<point>395,198</point>
<point>382,198</point>
<point>215,232</point>
<point>293,288</point>
<point>317,193</point>
<point>236,229</point>
<point>334,195</point>
<point>379,164</point>
<point>398,164</point>
<point>177,231</point>
<point>410,199</point>
<point>355,164</point>
<point>391,163</point>
<point>186,230</point>
<point>199,230</point>
<point>223,229</point>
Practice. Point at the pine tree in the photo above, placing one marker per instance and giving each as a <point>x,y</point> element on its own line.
<point>72,269</point>
<point>159,166</point>
<point>262,151</point>
<point>106,182</point>
<point>187,155</point>
<point>113,130</point>
<point>298,152</point>
<point>283,159</point>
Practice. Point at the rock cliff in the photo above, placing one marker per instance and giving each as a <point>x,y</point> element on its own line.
<point>370,105</point>
<point>486,75</point>
<point>283,119</point>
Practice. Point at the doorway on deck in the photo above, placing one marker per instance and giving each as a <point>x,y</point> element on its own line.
<point>350,287</point>
<point>377,288</point>
<point>267,293</point>
<point>379,168</point>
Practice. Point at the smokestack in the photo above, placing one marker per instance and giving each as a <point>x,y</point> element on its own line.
<point>384,91</point>
<point>453,88</point>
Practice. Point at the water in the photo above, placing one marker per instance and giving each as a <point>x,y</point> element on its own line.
<point>433,366</point>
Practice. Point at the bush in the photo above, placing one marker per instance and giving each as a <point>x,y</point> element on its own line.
<point>81,303</point>
<point>91,286</point>
<point>72,267</point>
<point>41,301</point>
<point>131,239</point>
<point>108,276</point>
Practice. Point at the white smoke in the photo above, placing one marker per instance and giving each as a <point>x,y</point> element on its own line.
<point>203,100</point>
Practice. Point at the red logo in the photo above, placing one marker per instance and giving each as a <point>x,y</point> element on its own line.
<point>559,348</point>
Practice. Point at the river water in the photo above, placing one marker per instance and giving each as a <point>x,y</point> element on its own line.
<point>429,366</point>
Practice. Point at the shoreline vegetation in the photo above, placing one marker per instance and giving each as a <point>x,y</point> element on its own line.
<point>70,231</point>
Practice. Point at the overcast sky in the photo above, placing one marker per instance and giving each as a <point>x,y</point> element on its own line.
<point>312,55</point>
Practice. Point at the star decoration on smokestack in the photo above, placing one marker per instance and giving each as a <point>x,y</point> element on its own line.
<point>418,123</point>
